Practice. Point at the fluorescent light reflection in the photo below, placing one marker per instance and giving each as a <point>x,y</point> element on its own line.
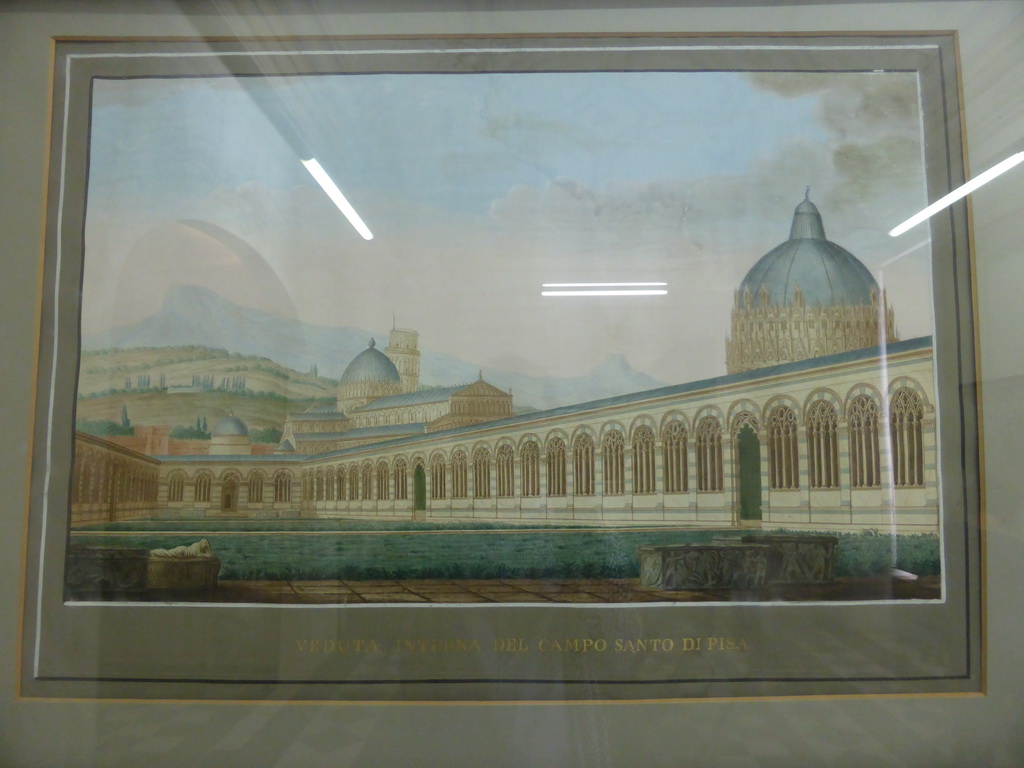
<point>600,285</point>
<point>959,192</point>
<point>907,252</point>
<point>328,186</point>
<point>605,293</point>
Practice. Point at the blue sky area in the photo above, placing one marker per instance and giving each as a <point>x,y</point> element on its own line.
<point>481,187</point>
<point>458,141</point>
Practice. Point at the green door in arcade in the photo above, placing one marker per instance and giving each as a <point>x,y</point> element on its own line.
<point>748,454</point>
<point>419,488</point>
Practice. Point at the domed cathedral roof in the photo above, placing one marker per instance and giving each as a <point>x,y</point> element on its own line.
<point>230,437</point>
<point>230,426</point>
<point>810,266</point>
<point>807,297</point>
<point>370,365</point>
<point>370,375</point>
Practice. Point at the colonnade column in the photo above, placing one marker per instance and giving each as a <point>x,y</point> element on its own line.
<point>845,470</point>
<point>766,489</point>
<point>803,458</point>
<point>729,485</point>
<point>628,490</point>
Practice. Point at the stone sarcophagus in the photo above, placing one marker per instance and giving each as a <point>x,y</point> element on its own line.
<point>704,566</point>
<point>188,567</point>
<point>750,562</point>
<point>799,559</point>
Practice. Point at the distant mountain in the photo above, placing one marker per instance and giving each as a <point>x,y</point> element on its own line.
<point>614,376</point>
<point>194,315</point>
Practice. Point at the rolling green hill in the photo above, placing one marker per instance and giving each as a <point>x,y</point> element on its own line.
<point>175,385</point>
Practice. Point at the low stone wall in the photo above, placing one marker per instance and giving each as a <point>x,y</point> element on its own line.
<point>106,570</point>
<point>124,571</point>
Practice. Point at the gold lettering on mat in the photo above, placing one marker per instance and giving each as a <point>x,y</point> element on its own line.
<point>543,645</point>
<point>435,645</point>
<point>338,645</point>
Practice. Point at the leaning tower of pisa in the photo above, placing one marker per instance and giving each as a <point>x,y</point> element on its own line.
<point>403,351</point>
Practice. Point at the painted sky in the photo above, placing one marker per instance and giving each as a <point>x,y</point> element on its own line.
<point>481,187</point>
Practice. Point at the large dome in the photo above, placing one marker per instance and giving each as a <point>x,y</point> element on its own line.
<point>825,273</point>
<point>807,297</point>
<point>230,426</point>
<point>370,365</point>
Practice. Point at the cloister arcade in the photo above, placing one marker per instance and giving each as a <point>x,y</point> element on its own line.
<point>820,444</point>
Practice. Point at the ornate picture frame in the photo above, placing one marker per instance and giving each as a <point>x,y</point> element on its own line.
<point>859,440</point>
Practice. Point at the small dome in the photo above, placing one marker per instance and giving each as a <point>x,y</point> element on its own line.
<point>370,365</point>
<point>826,274</point>
<point>230,426</point>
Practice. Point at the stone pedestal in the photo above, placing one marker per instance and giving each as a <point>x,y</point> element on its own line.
<point>106,570</point>
<point>183,573</point>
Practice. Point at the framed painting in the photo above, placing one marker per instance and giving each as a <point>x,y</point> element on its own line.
<point>547,368</point>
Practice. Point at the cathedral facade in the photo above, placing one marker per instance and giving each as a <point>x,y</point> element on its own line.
<point>379,398</point>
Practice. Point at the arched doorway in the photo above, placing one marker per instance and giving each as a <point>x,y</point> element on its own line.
<point>748,472</point>
<point>229,494</point>
<point>419,488</point>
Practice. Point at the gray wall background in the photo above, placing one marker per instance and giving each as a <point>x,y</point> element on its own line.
<point>926,731</point>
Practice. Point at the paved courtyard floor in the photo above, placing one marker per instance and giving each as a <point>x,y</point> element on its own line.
<point>541,591</point>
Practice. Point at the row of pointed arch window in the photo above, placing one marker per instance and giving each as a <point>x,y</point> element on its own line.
<point>370,481</point>
<point>202,485</point>
<point>906,443</point>
<point>99,478</point>
<point>357,482</point>
<point>449,477</point>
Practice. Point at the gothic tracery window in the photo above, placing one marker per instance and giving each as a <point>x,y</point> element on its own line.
<point>383,485</point>
<point>613,461</point>
<point>401,480</point>
<point>673,442</point>
<point>437,477</point>
<point>353,483</point>
<point>282,487</point>
<point>460,475</point>
<point>783,461</point>
<point>643,460</point>
<point>367,481</point>
<point>176,487</point>
<point>864,453</point>
<point>529,459</point>
<point>906,413</point>
<point>583,465</point>
<point>203,487</point>
<point>255,488</point>
<point>482,473</point>
<point>556,467</point>
<point>709,455</point>
<point>823,445</point>
<point>505,469</point>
